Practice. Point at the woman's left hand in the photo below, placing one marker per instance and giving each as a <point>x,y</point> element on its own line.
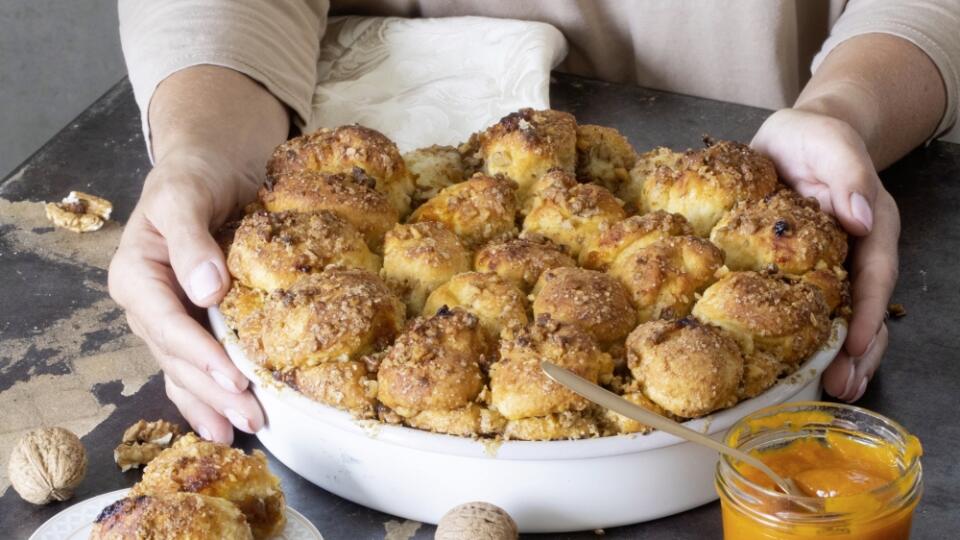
<point>825,158</point>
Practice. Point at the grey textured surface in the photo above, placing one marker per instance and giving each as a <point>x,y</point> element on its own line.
<point>917,384</point>
<point>55,58</point>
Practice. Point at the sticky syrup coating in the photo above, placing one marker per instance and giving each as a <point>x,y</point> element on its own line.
<point>526,144</point>
<point>688,368</point>
<point>767,314</point>
<point>522,260</point>
<point>704,183</point>
<point>520,389</point>
<point>344,149</point>
<point>350,196</point>
<point>433,168</point>
<point>782,229</point>
<point>494,300</point>
<point>634,232</point>
<point>274,250</point>
<point>194,465</point>
<point>176,516</point>
<point>604,156</point>
<point>419,257</point>
<point>339,314</point>
<point>572,214</point>
<point>663,278</point>
<point>347,386</point>
<point>479,210</point>
<point>594,301</point>
<point>435,364</point>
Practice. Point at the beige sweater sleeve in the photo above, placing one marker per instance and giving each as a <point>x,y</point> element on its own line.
<point>274,42</point>
<point>931,25</point>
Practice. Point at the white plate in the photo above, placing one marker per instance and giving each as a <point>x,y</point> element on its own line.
<point>547,486</point>
<point>76,522</point>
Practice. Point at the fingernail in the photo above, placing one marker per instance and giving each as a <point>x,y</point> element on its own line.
<point>204,433</point>
<point>847,388</point>
<point>238,420</point>
<point>204,281</point>
<point>861,210</point>
<point>225,382</point>
<point>860,390</point>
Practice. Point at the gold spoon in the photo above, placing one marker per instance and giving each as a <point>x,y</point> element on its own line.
<point>605,398</point>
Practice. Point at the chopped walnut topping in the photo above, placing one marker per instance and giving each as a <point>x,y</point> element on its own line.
<point>80,212</point>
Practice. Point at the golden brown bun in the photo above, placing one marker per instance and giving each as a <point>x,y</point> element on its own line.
<point>552,427</point>
<point>433,168</point>
<point>760,372</point>
<point>604,156</point>
<point>617,423</point>
<point>664,277</point>
<point>571,214</point>
<point>435,364</point>
<point>704,183</point>
<point>241,308</point>
<point>482,209</point>
<point>594,301</point>
<point>526,144</point>
<point>520,389</point>
<point>835,287</point>
<point>273,250</point>
<point>648,163</point>
<point>493,299</point>
<point>347,385</point>
<point>634,232</point>
<point>766,314</point>
<point>344,149</point>
<point>350,196</point>
<point>522,260</point>
<point>419,257</point>
<point>470,421</point>
<point>339,314</point>
<point>177,516</point>
<point>782,229</point>
<point>194,465</point>
<point>688,368</point>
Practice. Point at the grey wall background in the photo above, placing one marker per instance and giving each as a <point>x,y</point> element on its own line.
<point>56,58</point>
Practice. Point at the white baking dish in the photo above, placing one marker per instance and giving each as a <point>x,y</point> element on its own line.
<point>550,486</point>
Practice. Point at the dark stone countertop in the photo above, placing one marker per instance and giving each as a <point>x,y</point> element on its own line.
<point>54,311</point>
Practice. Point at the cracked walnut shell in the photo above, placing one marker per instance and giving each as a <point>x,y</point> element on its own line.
<point>143,441</point>
<point>47,464</point>
<point>80,212</point>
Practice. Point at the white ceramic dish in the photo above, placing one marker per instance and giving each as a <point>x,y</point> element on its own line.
<point>76,522</point>
<point>548,486</point>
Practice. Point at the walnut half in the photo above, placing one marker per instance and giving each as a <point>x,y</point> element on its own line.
<point>80,212</point>
<point>143,441</point>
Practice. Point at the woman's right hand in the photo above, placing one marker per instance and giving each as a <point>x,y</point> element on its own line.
<point>166,268</point>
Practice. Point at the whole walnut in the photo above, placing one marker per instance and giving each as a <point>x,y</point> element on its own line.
<point>47,464</point>
<point>476,521</point>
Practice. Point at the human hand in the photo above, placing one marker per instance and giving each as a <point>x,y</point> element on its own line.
<point>825,158</point>
<point>167,266</point>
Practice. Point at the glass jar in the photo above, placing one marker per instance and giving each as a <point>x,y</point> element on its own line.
<point>754,511</point>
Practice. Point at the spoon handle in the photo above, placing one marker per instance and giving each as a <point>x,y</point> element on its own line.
<point>602,396</point>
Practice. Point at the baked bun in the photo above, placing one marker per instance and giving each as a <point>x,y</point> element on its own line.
<point>647,163</point>
<point>760,372</point>
<point>616,423</point>
<point>482,209</point>
<point>433,168</point>
<point>552,427</point>
<point>766,314</point>
<point>494,300</point>
<point>343,150</point>
<point>346,385</point>
<point>350,196</point>
<point>336,315</point>
<point>782,229</point>
<point>435,364</point>
<point>835,287</point>
<point>520,389</point>
<point>194,465</point>
<point>688,368</point>
<point>526,144</point>
<point>273,250</point>
<point>419,257</point>
<point>570,213</point>
<point>177,516</point>
<point>664,277</point>
<point>468,421</point>
<point>704,184</point>
<point>522,260</point>
<point>604,156</point>
<point>241,308</point>
<point>634,232</point>
<point>594,301</point>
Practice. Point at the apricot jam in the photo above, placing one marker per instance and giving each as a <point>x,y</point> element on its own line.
<point>859,473</point>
